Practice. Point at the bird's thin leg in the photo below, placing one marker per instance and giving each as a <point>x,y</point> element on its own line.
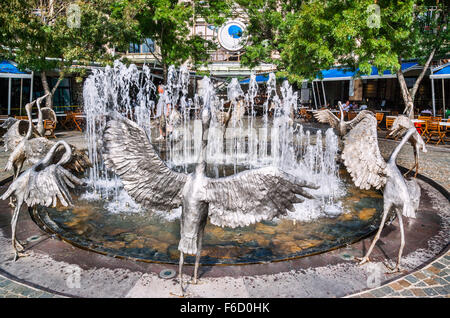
<point>15,243</point>
<point>416,155</point>
<point>180,272</point>
<point>197,256</point>
<point>397,268</point>
<point>365,259</point>
<point>415,166</point>
<point>12,198</point>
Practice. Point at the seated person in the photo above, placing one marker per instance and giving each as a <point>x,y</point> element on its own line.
<point>346,106</point>
<point>426,111</point>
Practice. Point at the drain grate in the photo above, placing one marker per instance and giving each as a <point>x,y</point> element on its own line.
<point>167,273</point>
<point>347,257</point>
<point>33,238</point>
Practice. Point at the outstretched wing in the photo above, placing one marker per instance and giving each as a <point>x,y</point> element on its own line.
<point>253,195</point>
<point>47,186</point>
<point>49,114</point>
<point>362,156</point>
<point>401,126</point>
<point>326,116</point>
<point>43,186</point>
<point>361,115</point>
<point>144,175</point>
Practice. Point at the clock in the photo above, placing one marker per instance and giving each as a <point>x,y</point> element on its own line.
<point>231,35</point>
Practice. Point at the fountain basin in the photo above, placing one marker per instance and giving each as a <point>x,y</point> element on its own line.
<point>153,236</point>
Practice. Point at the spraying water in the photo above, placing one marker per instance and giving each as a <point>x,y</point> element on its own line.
<point>250,141</point>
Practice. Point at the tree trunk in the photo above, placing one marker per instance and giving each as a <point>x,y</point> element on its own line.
<point>409,95</point>
<point>49,98</point>
<point>407,99</point>
<point>165,72</point>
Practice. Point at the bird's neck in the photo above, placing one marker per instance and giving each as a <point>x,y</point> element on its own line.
<point>30,123</point>
<point>40,124</point>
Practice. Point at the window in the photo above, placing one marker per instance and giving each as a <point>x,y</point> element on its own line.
<point>148,46</point>
<point>134,48</point>
<point>62,94</point>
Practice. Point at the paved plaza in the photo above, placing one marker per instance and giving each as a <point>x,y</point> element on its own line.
<point>333,274</point>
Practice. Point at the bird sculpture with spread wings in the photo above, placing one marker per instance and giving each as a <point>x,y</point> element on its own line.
<point>44,184</point>
<point>342,126</point>
<point>361,155</point>
<point>399,128</point>
<point>238,200</point>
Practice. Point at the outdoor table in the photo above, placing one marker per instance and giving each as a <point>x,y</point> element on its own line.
<point>391,116</point>
<point>77,119</point>
<point>418,124</point>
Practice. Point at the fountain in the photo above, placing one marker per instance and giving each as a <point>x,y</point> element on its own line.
<point>107,220</point>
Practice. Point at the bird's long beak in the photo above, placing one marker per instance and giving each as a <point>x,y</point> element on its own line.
<point>41,98</point>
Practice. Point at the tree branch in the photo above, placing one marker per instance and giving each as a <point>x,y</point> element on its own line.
<point>422,74</point>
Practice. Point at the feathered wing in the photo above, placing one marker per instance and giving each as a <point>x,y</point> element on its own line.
<point>362,156</point>
<point>47,186</point>
<point>253,195</point>
<point>49,114</point>
<point>146,178</point>
<point>361,115</point>
<point>326,116</point>
<point>400,126</point>
<point>43,186</point>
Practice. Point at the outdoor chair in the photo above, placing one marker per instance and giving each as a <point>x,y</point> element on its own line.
<point>389,123</point>
<point>78,120</point>
<point>379,117</point>
<point>21,117</point>
<point>436,118</point>
<point>304,114</point>
<point>351,115</point>
<point>67,121</point>
<point>423,126</point>
<point>434,130</point>
<point>50,126</point>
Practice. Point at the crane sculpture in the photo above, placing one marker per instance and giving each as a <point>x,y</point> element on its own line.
<point>342,126</point>
<point>400,126</point>
<point>362,158</point>
<point>238,200</point>
<point>32,150</point>
<point>18,128</point>
<point>44,183</point>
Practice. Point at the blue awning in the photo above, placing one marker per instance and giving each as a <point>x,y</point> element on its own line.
<point>259,79</point>
<point>441,72</point>
<point>8,67</point>
<point>339,74</point>
<point>346,74</point>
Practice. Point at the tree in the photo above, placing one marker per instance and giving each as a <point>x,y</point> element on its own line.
<point>54,35</point>
<point>168,22</point>
<point>358,34</point>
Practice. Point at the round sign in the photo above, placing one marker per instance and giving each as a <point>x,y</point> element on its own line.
<point>231,35</point>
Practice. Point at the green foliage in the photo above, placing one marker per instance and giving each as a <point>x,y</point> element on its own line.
<point>168,22</point>
<point>314,35</point>
<point>42,41</point>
